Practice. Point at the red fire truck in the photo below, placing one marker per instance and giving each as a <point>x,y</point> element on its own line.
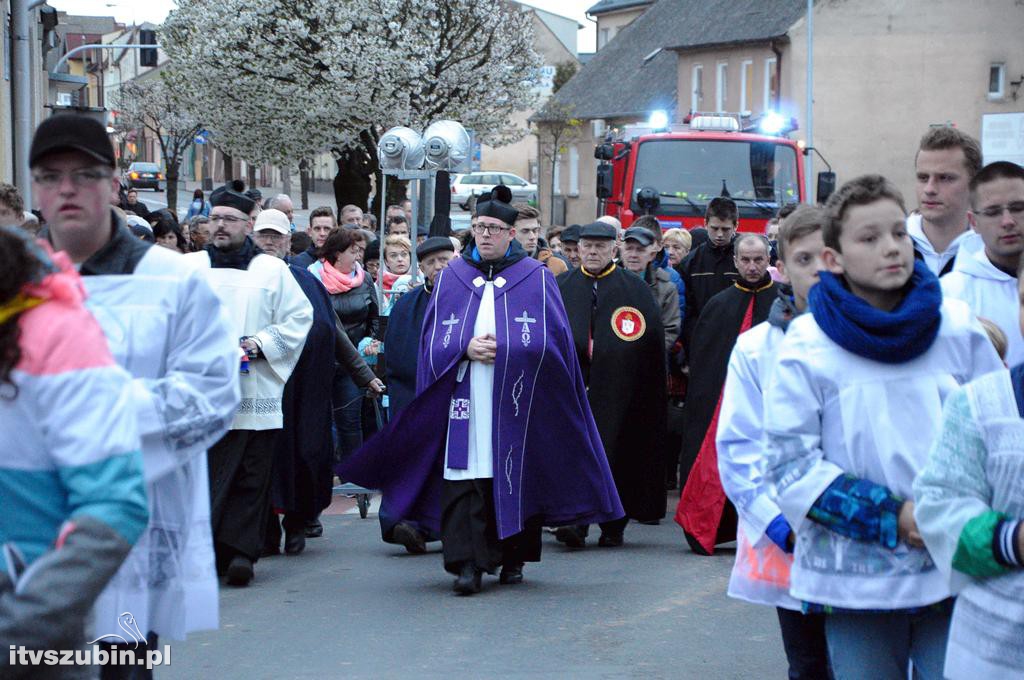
<point>672,172</point>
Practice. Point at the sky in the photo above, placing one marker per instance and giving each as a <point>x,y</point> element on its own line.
<point>139,11</point>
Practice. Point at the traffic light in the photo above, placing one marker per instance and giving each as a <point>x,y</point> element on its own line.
<point>148,56</point>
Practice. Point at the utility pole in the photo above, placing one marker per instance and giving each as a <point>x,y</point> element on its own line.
<point>809,160</point>
<point>21,54</point>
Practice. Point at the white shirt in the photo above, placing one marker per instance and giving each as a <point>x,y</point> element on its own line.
<point>829,411</point>
<point>969,240</point>
<point>761,571</point>
<point>481,401</point>
<point>989,292</point>
<point>265,302</point>
<point>167,328</point>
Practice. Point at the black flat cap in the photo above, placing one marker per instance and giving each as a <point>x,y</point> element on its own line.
<point>571,234</point>
<point>434,244</point>
<point>597,230</point>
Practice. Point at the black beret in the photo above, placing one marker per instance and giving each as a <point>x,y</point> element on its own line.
<point>571,234</point>
<point>232,195</point>
<point>598,230</point>
<point>434,244</point>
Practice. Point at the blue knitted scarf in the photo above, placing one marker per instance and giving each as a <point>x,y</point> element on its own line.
<point>889,337</point>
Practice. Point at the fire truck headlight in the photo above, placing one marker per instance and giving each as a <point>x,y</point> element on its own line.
<point>772,123</point>
<point>658,120</point>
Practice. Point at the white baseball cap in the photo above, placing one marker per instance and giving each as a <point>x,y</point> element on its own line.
<point>273,219</point>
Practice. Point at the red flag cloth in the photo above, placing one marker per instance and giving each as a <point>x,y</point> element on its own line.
<point>703,500</point>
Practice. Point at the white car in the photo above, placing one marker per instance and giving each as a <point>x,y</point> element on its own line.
<point>476,183</point>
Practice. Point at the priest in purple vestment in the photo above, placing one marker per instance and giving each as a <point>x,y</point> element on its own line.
<point>500,439</point>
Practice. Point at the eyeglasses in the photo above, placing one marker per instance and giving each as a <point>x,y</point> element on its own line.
<point>79,178</point>
<point>490,229</point>
<point>274,237</point>
<point>993,212</point>
<point>227,219</point>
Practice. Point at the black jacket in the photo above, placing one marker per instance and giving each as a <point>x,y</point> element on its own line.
<point>706,271</point>
<point>357,310</point>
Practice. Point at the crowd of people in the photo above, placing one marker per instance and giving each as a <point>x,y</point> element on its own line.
<point>832,394</point>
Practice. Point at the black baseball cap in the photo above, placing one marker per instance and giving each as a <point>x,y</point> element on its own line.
<point>641,235</point>
<point>71,132</point>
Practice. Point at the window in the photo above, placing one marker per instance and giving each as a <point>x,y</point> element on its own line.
<point>512,181</point>
<point>603,37</point>
<point>697,91</point>
<point>557,179</point>
<point>997,81</point>
<point>746,85</point>
<point>771,84</point>
<point>721,86</point>
<point>574,171</point>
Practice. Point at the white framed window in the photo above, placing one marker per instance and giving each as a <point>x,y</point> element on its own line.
<point>697,87</point>
<point>603,37</point>
<point>574,171</point>
<point>771,84</point>
<point>721,86</point>
<point>557,184</point>
<point>746,85</point>
<point>997,81</point>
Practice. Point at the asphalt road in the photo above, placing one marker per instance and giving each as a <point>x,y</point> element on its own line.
<point>354,607</point>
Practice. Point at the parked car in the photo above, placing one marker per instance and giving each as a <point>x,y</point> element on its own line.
<point>144,176</point>
<point>475,183</point>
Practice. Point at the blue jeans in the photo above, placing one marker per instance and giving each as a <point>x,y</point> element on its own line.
<point>880,646</point>
<point>348,415</point>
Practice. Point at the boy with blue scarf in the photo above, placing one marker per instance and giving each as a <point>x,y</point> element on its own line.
<point>850,415</point>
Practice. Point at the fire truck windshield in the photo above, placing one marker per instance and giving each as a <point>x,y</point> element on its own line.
<point>688,173</point>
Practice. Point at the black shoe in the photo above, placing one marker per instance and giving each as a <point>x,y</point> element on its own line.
<point>650,522</point>
<point>240,571</point>
<point>511,574</point>
<point>314,529</point>
<point>407,535</point>
<point>571,536</point>
<point>294,542</point>
<point>610,540</point>
<point>469,581</point>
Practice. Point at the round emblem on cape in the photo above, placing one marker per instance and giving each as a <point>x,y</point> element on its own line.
<point>628,323</point>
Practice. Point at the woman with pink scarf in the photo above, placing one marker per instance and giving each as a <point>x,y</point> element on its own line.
<point>354,299</point>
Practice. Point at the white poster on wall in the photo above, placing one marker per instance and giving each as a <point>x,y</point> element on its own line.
<point>1002,137</point>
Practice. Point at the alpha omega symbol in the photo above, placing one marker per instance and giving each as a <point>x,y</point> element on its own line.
<point>448,323</point>
<point>526,321</point>
<point>459,409</point>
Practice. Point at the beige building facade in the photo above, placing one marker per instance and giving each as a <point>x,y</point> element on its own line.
<point>883,73</point>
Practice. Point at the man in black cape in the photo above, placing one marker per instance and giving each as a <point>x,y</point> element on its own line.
<point>304,451</point>
<point>737,309</point>
<point>620,344</point>
<point>401,349</point>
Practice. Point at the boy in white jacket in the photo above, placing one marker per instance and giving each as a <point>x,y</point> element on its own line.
<point>764,541</point>
<point>971,496</point>
<point>986,279</point>
<point>850,414</point>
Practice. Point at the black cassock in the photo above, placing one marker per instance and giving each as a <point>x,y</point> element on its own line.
<point>402,348</point>
<point>305,450</point>
<point>625,377</point>
<point>713,339</point>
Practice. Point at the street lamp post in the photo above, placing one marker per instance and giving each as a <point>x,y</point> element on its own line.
<point>809,164</point>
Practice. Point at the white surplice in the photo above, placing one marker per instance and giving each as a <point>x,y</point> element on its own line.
<point>265,302</point>
<point>481,401</point>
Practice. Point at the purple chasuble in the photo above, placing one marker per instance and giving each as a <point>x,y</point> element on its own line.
<point>548,460</point>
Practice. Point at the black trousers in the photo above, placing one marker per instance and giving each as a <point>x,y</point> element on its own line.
<point>240,475</point>
<point>127,672</point>
<point>292,523</point>
<point>469,531</point>
<point>803,636</point>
